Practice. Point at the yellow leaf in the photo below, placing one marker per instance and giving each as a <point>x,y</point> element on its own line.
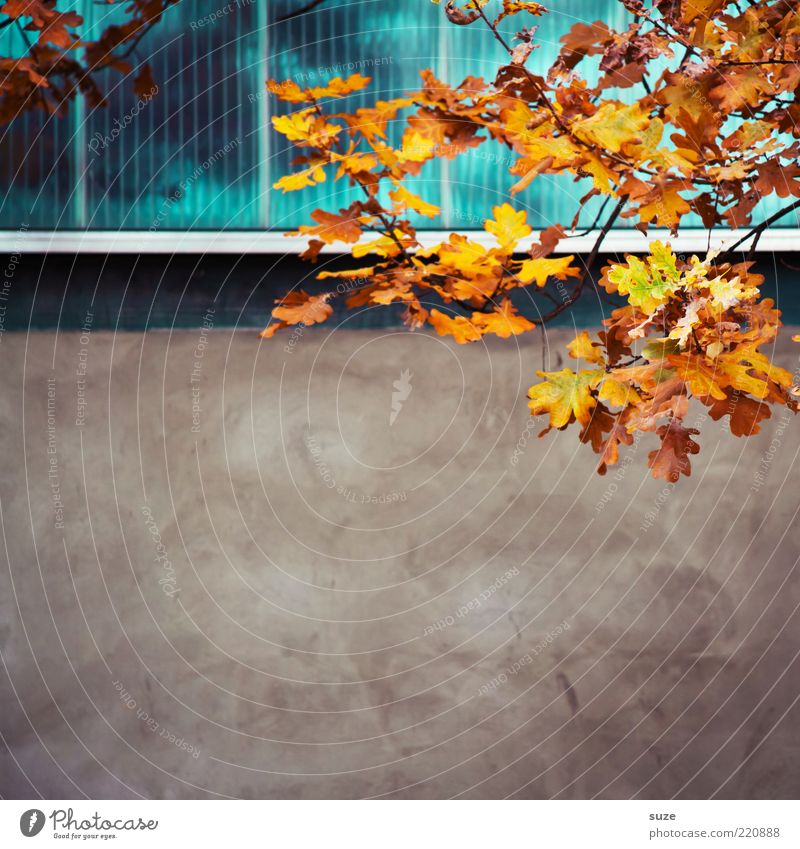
<point>582,348</point>
<point>403,196</point>
<point>416,148</point>
<point>351,274</point>
<point>703,378</point>
<point>383,246</point>
<point>542,269</point>
<point>618,393</point>
<point>505,321</point>
<point>337,87</point>
<point>564,394</point>
<point>512,7</point>
<point>612,126</point>
<point>301,180</point>
<point>288,90</point>
<point>649,284</point>
<point>460,328</point>
<point>738,363</point>
<point>508,226</point>
<point>307,127</point>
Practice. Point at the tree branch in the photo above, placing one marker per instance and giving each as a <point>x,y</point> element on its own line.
<point>757,231</point>
<point>301,11</point>
<point>588,264</point>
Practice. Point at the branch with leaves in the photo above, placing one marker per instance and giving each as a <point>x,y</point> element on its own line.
<point>57,64</point>
<point>712,131</point>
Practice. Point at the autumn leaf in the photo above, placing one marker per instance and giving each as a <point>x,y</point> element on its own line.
<point>647,285</point>
<point>287,90</point>
<point>748,370</point>
<point>671,460</point>
<point>514,7</point>
<point>407,199</point>
<point>540,270</point>
<point>301,180</point>
<point>337,87</point>
<point>330,227</point>
<point>618,393</point>
<point>301,308</point>
<point>144,86</point>
<point>460,328</point>
<point>503,321</point>
<point>564,394</point>
<point>508,226</point>
<point>745,413</point>
<point>613,125</point>
<point>290,91</point>
<point>704,377</point>
<point>582,348</point>
<point>306,127</point>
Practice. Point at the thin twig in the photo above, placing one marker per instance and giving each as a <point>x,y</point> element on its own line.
<point>757,231</point>
<point>587,265</point>
<point>302,10</point>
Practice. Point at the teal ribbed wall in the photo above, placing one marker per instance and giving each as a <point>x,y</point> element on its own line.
<point>201,155</point>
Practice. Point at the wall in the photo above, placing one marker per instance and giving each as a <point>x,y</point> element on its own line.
<point>280,593</point>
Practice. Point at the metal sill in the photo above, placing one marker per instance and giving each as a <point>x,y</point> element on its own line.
<point>270,242</point>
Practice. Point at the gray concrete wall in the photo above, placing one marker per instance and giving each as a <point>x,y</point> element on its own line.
<point>279,594</point>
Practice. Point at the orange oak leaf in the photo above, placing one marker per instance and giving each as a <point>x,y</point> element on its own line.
<point>459,327</point>
<point>301,308</point>
<point>503,321</point>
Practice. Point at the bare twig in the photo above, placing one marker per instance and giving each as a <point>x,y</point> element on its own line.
<point>757,231</point>
<point>587,265</point>
<point>302,10</point>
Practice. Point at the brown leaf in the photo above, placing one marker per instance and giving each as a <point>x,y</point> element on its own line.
<point>671,460</point>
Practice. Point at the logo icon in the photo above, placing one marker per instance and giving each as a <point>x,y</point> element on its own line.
<point>402,389</point>
<point>31,822</point>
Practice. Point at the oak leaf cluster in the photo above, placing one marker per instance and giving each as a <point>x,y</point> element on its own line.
<point>690,108</point>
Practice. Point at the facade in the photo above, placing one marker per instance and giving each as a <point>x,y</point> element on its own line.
<point>200,154</point>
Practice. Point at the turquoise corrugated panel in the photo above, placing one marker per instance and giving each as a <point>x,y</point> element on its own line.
<point>202,155</point>
<point>188,157</point>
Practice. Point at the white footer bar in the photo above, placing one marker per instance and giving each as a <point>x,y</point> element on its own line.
<point>402,825</point>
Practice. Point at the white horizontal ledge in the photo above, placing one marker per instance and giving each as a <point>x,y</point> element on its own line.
<point>270,242</point>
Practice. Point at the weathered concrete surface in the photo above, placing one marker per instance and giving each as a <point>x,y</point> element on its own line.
<point>339,604</point>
